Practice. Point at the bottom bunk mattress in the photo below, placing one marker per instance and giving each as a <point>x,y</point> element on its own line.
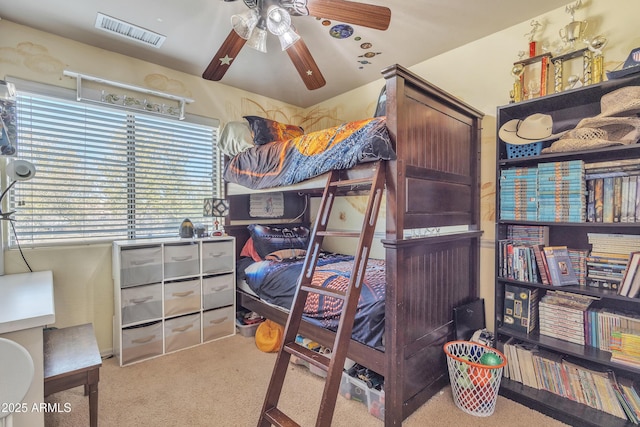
<point>275,282</point>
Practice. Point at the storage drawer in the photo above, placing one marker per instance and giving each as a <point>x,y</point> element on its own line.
<point>181,260</point>
<point>140,303</point>
<point>218,323</point>
<point>218,291</point>
<point>217,257</point>
<point>182,332</point>
<point>140,266</point>
<point>181,297</point>
<point>141,342</point>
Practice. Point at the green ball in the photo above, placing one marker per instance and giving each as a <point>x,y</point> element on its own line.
<point>490,359</point>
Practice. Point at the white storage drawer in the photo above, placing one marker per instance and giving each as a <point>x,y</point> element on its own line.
<point>217,291</point>
<point>140,303</point>
<point>181,297</point>
<point>182,332</point>
<point>181,260</point>
<point>140,266</point>
<point>141,342</point>
<point>217,257</point>
<point>218,323</point>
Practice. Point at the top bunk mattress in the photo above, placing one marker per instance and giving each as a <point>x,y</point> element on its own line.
<point>285,163</point>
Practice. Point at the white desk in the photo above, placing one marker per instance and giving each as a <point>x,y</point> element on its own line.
<point>26,306</point>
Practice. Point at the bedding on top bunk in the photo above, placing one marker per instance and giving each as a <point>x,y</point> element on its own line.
<point>289,161</point>
<point>271,266</point>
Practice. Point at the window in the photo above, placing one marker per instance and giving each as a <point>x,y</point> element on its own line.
<point>105,174</point>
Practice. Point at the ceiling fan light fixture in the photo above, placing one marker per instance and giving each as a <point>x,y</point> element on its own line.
<point>288,39</point>
<point>244,23</point>
<point>258,39</point>
<point>278,20</point>
<point>295,7</point>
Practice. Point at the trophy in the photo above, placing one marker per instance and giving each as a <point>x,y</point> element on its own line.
<point>595,45</point>
<point>532,44</point>
<point>517,93</point>
<point>574,30</point>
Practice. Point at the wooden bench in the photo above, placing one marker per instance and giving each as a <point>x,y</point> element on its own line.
<point>72,359</point>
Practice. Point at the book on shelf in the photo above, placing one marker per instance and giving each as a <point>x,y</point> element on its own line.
<point>541,262</point>
<point>520,308</point>
<point>629,389</point>
<point>630,275</point>
<point>561,272</point>
<point>598,198</point>
<point>607,200</point>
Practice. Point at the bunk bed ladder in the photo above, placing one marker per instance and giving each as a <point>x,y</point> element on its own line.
<point>333,365</point>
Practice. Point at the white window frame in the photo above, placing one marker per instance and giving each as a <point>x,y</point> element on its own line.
<point>24,196</point>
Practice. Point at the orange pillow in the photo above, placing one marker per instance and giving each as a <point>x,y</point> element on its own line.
<point>249,250</point>
<point>269,336</point>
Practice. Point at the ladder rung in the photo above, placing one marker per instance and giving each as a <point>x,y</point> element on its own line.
<point>328,292</point>
<point>339,233</point>
<point>308,355</point>
<point>278,418</point>
<point>354,181</point>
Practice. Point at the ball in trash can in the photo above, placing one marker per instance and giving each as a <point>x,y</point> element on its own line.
<point>490,359</point>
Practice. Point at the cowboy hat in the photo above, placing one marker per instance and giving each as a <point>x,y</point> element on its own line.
<point>534,128</point>
<point>598,132</point>
<point>620,102</point>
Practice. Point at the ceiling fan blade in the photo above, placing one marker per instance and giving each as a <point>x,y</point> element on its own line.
<point>306,65</point>
<point>225,56</point>
<point>366,15</point>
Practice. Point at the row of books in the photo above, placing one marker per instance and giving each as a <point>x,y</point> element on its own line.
<point>572,191</point>
<point>613,262</point>
<point>613,193</point>
<point>575,318</point>
<point>549,265</point>
<point>549,192</point>
<point>562,316</point>
<point>589,385</point>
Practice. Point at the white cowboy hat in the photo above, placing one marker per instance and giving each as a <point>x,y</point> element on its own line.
<point>535,128</point>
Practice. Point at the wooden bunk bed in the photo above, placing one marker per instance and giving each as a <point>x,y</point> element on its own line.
<point>433,183</point>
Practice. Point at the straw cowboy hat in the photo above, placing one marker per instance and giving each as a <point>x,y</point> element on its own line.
<point>535,128</point>
<point>617,124</point>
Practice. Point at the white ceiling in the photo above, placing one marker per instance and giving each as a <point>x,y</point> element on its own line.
<point>195,29</point>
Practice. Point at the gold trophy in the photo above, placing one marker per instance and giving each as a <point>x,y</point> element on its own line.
<point>574,30</point>
<point>596,45</point>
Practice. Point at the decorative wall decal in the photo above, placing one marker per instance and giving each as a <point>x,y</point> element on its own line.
<point>341,31</point>
<point>326,22</point>
<point>366,45</point>
<point>312,120</point>
<point>34,57</point>
<point>163,83</point>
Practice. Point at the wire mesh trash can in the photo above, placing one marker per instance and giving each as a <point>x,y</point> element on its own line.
<point>474,384</point>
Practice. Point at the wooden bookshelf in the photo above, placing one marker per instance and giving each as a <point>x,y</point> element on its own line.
<point>565,107</point>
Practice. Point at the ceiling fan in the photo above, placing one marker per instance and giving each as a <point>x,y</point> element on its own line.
<point>274,16</point>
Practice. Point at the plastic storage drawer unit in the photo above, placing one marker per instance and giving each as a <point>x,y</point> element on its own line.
<point>181,260</point>
<point>141,342</point>
<point>217,257</point>
<point>140,303</point>
<point>218,323</point>
<point>182,332</point>
<point>140,266</point>
<point>218,291</point>
<point>181,297</point>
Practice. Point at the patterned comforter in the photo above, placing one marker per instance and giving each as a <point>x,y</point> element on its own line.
<point>276,282</point>
<point>282,163</point>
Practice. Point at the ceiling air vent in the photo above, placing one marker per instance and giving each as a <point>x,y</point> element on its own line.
<point>130,31</point>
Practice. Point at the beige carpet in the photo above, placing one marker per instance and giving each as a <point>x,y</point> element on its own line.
<point>222,383</point>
